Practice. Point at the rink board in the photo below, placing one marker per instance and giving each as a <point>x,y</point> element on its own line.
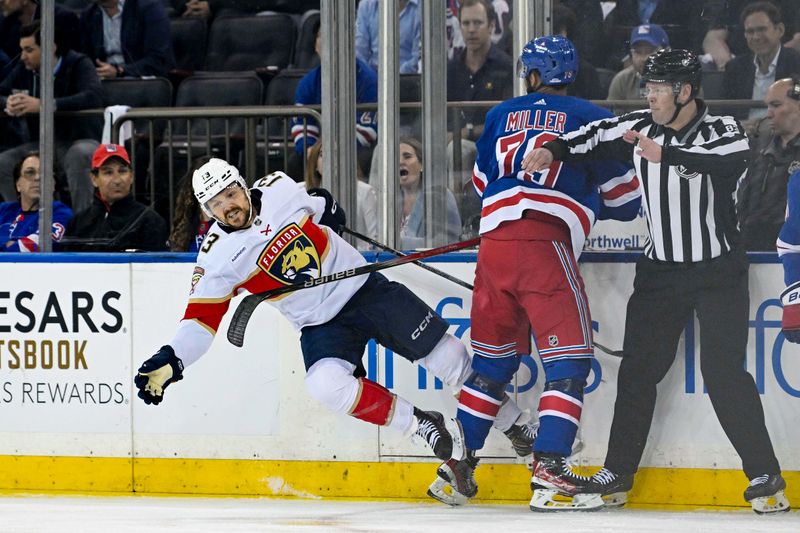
<point>73,333</point>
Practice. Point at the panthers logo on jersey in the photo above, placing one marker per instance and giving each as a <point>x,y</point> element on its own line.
<point>290,257</point>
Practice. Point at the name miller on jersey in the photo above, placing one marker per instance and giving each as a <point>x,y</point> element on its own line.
<point>548,120</point>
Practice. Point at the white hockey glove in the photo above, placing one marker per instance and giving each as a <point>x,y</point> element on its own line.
<point>157,373</point>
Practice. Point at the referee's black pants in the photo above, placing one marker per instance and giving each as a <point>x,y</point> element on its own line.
<point>664,297</point>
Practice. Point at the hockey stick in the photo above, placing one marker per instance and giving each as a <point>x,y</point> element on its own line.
<point>609,351</point>
<point>246,308</point>
<point>398,253</point>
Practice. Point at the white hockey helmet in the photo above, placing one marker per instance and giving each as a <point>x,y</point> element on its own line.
<point>214,177</point>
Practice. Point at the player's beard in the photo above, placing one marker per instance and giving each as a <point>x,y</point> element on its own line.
<point>235,217</point>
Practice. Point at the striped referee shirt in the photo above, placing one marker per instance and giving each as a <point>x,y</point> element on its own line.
<point>688,197</point>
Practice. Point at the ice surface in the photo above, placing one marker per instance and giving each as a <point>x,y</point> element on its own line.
<point>122,514</point>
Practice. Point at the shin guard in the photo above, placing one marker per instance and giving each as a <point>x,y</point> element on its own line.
<point>478,403</point>
<point>560,407</point>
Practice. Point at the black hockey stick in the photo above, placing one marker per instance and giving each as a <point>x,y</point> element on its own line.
<point>609,351</point>
<point>398,253</point>
<point>246,308</point>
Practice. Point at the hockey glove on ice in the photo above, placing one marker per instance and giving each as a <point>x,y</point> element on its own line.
<point>157,373</point>
<point>334,216</point>
<point>790,298</point>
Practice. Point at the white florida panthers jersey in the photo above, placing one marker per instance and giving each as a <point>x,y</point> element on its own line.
<point>284,245</point>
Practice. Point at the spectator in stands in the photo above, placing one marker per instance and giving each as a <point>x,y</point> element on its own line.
<point>683,20</point>
<point>725,38</point>
<point>747,77</point>
<point>189,223</point>
<point>645,40</point>
<point>589,36</point>
<point>409,33</point>
<point>761,194</point>
<point>411,200</point>
<point>366,220</point>
<point>500,37</point>
<point>116,222</point>
<point>75,87</point>
<point>309,92</point>
<point>481,71</point>
<point>587,82</point>
<point>196,8</point>
<point>18,13</point>
<point>19,221</point>
<point>127,39</point>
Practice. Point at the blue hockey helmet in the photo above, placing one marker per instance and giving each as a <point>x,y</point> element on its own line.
<point>554,57</point>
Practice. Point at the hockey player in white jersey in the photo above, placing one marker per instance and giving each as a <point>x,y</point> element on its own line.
<point>276,234</point>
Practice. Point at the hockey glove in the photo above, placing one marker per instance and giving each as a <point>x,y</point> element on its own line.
<point>334,216</point>
<point>790,298</point>
<point>157,373</point>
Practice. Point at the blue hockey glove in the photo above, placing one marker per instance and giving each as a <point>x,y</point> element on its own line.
<point>334,216</point>
<point>157,373</point>
<point>790,324</point>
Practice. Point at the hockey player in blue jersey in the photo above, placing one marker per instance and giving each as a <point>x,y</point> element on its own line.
<point>789,252</point>
<point>533,227</point>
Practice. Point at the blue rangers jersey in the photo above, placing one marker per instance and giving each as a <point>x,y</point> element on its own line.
<point>19,230</point>
<point>789,238</point>
<point>577,193</point>
<point>309,92</point>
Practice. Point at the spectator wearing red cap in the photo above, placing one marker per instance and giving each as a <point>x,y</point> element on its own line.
<point>115,222</point>
<point>645,40</point>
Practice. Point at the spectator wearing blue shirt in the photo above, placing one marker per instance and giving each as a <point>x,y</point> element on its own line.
<point>19,221</point>
<point>409,33</point>
<point>309,92</point>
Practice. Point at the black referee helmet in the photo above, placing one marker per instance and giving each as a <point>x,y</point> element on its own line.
<point>674,66</point>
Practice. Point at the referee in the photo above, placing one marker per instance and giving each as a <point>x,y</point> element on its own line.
<point>688,162</point>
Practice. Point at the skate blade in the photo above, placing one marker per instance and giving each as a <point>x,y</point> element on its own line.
<point>777,503</point>
<point>457,433</point>
<point>443,491</point>
<point>550,500</point>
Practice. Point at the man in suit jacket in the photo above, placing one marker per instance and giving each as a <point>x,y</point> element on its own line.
<point>137,42</point>
<point>749,76</point>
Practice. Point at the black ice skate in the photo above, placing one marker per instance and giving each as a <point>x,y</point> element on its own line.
<point>431,428</point>
<point>522,437</point>
<point>606,489</point>
<point>765,494</point>
<point>455,482</point>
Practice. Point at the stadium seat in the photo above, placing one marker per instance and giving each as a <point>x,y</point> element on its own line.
<point>74,5</point>
<point>304,55</point>
<point>139,92</point>
<point>214,89</point>
<point>250,43</point>
<point>604,77</point>
<point>280,91</point>
<point>189,38</point>
<point>713,84</point>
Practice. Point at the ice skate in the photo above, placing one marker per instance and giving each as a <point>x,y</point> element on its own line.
<point>765,494</point>
<point>522,437</point>
<point>455,482</point>
<point>554,483</point>
<point>444,437</point>
<point>605,489</point>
